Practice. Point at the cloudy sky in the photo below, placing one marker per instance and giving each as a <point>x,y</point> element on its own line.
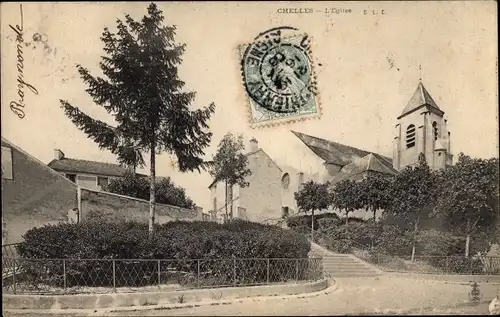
<point>367,66</point>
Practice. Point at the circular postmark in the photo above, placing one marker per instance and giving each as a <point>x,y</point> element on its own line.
<point>277,71</point>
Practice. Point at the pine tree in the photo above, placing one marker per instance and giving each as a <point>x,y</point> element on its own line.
<point>144,94</point>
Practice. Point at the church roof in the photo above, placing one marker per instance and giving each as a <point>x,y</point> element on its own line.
<point>420,97</point>
<point>336,153</point>
<point>369,163</point>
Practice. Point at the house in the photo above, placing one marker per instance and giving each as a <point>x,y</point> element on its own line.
<point>87,174</point>
<point>33,194</point>
<point>269,195</point>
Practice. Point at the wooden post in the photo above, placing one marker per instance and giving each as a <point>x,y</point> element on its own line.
<point>14,277</point>
<point>198,275</point>
<point>159,273</point>
<point>64,274</point>
<point>267,271</point>
<point>234,272</point>
<point>297,269</point>
<point>114,276</point>
<point>79,204</point>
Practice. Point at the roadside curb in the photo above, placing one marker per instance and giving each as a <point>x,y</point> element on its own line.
<point>331,286</point>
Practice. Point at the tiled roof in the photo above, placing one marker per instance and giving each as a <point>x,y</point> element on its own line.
<point>420,97</point>
<point>359,168</point>
<point>336,153</point>
<point>89,167</point>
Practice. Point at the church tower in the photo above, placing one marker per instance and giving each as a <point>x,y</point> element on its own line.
<point>422,128</point>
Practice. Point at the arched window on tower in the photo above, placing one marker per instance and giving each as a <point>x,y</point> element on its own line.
<point>410,136</point>
<point>285,181</point>
<point>435,130</point>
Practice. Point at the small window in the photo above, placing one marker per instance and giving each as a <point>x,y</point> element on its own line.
<point>7,163</point>
<point>285,181</point>
<point>435,130</point>
<point>102,181</point>
<point>87,181</point>
<point>71,177</point>
<point>285,211</point>
<point>410,136</point>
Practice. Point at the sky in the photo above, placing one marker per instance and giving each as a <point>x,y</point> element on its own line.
<point>366,63</point>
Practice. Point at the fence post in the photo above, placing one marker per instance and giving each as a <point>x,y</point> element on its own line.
<point>267,271</point>
<point>234,272</point>
<point>469,259</point>
<point>64,274</point>
<point>114,276</point>
<point>14,276</point>
<point>198,275</point>
<point>159,273</point>
<point>297,269</point>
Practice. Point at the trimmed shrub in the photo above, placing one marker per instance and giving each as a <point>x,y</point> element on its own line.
<point>393,240</point>
<point>306,220</point>
<point>215,245</point>
<point>457,264</point>
<point>439,243</point>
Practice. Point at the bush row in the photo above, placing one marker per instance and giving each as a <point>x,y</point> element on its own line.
<point>174,240</point>
<point>390,241</point>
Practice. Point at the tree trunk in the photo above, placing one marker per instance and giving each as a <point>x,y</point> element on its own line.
<point>414,233</point>
<point>346,218</point>
<point>467,239</point>
<point>152,190</point>
<point>467,243</point>
<point>226,201</point>
<point>374,215</point>
<point>230,199</point>
<point>312,226</point>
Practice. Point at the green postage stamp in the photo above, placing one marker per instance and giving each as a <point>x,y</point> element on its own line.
<point>278,78</point>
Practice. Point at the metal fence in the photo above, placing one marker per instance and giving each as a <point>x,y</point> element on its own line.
<point>9,251</point>
<point>70,276</point>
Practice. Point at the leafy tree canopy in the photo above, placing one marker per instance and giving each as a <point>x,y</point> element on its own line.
<point>345,196</point>
<point>468,195</point>
<point>374,192</point>
<point>137,186</point>
<point>413,192</point>
<point>230,163</point>
<point>313,196</point>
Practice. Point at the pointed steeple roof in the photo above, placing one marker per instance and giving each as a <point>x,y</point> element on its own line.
<point>420,97</point>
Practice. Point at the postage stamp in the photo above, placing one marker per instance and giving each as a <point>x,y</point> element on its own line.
<point>278,78</point>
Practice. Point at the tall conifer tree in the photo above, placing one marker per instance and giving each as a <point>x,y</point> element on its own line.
<point>144,94</point>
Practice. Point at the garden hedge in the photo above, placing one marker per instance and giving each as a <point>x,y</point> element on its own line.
<point>217,245</point>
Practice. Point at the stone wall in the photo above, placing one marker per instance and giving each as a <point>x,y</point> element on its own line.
<point>98,204</point>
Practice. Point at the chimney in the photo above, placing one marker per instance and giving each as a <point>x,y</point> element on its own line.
<point>58,154</point>
<point>254,145</point>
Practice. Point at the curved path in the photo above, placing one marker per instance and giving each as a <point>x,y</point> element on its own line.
<point>354,296</point>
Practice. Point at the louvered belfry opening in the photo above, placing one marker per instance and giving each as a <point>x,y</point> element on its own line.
<point>410,136</point>
<point>435,130</point>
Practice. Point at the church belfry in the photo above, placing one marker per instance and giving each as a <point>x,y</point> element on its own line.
<point>421,128</point>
